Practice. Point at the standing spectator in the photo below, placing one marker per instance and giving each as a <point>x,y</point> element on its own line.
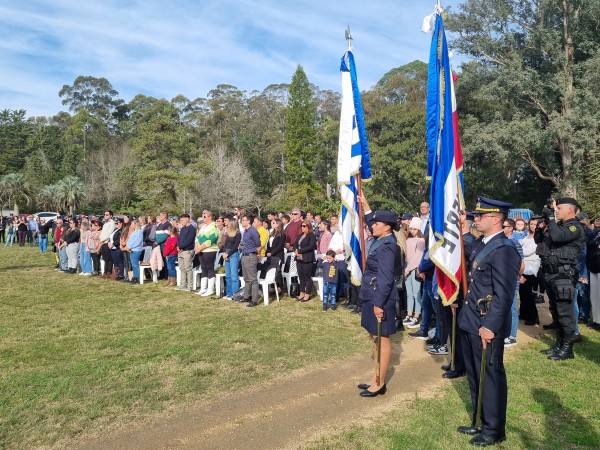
<point>43,235</point>
<point>294,229</point>
<point>10,232</point>
<point>250,249</point>
<point>415,247</point>
<point>263,233</point>
<point>324,238</point>
<point>206,248</point>
<point>3,222</point>
<point>127,273</point>
<point>85,259</point>
<point>185,246</point>
<point>149,234</point>
<point>116,254</point>
<point>528,309</point>
<point>330,276</point>
<point>162,233</point>
<point>93,245</point>
<point>275,251</point>
<point>72,245</point>
<point>304,249</point>
<point>170,254</point>
<point>508,226</point>
<point>334,223</point>
<point>135,245</point>
<point>108,227</point>
<point>32,230</point>
<point>22,232</point>
<point>593,260</point>
<point>231,256</point>
<point>424,209</point>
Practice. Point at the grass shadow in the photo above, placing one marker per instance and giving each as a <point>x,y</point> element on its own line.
<point>562,425</point>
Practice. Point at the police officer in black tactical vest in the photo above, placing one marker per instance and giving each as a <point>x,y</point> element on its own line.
<point>559,249</point>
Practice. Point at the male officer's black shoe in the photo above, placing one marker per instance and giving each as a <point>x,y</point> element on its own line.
<point>481,440</point>
<point>451,374</point>
<point>469,429</point>
<point>565,352</point>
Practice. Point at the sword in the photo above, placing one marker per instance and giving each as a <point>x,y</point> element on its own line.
<point>480,393</point>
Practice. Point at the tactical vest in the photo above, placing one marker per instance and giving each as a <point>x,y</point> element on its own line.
<point>562,258</point>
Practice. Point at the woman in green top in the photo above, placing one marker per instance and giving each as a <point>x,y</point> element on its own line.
<point>206,248</point>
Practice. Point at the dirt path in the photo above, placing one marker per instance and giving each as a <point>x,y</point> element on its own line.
<point>296,410</point>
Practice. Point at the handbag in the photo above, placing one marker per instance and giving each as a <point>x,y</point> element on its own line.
<point>294,289</point>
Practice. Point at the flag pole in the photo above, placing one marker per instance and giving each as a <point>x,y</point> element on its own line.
<point>358,185</point>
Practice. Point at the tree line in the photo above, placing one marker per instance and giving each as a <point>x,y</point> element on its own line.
<point>527,100</point>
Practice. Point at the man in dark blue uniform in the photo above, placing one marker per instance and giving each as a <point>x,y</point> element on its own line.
<point>559,250</point>
<point>485,319</point>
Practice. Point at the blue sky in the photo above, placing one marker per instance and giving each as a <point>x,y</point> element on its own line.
<point>165,48</point>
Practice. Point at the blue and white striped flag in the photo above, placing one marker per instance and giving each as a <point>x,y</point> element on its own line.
<point>353,159</point>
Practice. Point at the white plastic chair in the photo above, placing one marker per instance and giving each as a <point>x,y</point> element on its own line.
<point>266,282</point>
<point>220,281</point>
<point>319,282</point>
<point>195,272</point>
<point>292,272</point>
<point>102,264</point>
<point>154,275</point>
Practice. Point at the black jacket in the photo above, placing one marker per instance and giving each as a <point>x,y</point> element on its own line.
<point>306,248</point>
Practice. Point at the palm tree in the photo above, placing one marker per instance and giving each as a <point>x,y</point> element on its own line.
<point>13,187</point>
<point>70,191</point>
<point>49,197</point>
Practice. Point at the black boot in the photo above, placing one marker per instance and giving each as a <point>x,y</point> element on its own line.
<point>565,352</point>
<point>557,344</point>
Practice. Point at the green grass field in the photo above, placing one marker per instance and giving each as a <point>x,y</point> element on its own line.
<point>79,353</point>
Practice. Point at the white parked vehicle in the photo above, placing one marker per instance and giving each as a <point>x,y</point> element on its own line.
<point>46,215</point>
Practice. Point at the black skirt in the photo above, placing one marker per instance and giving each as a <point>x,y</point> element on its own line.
<point>388,323</point>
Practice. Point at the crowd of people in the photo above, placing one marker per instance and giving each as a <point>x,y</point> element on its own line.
<point>24,230</point>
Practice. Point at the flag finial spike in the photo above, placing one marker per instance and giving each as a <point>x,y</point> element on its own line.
<point>349,38</point>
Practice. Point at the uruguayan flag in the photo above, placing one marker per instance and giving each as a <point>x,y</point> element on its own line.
<point>353,161</point>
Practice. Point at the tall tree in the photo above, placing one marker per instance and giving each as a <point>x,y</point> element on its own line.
<point>94,95</point>
<point>13,188</point>
<point>301,144</point>
<point>14,132</point>
<point>533,57</point>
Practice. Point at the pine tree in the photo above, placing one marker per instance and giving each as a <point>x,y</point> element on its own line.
<point>301,147</point>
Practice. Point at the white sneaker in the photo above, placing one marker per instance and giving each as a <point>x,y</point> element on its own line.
<point>413,323</point>
<point>406,320</point>
<point>439,350</point>
<point>510,341</point>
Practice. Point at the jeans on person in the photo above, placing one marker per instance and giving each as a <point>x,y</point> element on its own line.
<point>43,243</point>
<point>514,313</point>
<point>329,293</point>
<point>413,293</point>
<point>116,255</point>
<point>171,268</point>
<point>10,238</point>
<point>426,305</point>
<point>85,259</point>
<point>232,274</point>
<point>135,263</point>
<point>63,260</point>
<point>582,296</point>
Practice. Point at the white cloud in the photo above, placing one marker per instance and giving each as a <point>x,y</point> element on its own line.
<point>187,47</point>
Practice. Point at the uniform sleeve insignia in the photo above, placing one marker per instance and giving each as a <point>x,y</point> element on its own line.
<point>573,228</point>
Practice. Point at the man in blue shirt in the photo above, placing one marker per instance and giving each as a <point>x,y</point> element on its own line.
<point>250,256</point>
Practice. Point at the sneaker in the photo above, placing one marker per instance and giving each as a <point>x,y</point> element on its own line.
<point>439,350</point>
<point>510,341</point>
<point>406,320</point>
<point>418,335</point>
<point>432,341</point>
<point>413,323</point>
<point>227,298</point>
